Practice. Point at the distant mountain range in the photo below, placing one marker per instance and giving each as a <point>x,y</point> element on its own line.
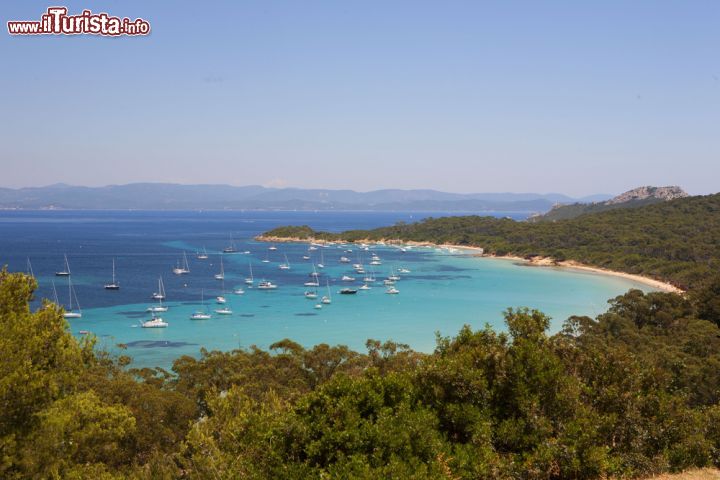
<point>636,197</point>
<point>166,196</point>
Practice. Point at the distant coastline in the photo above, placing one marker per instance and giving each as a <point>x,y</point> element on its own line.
<point>479,252</point>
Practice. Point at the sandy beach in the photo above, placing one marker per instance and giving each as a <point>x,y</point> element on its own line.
<point>479,252</point>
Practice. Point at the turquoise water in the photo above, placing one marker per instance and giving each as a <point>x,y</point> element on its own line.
<point>444,291</point>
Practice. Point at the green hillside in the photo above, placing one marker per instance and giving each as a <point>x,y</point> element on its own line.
<point>573,210</point>
<point>676,241</point>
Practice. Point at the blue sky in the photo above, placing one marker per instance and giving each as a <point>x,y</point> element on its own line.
<point>573,97</point>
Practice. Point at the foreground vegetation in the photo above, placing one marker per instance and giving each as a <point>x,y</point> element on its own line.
<point>634,392</point>
<point>676,241</point>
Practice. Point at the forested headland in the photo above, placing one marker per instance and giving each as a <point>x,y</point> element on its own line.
<point>676,241</point>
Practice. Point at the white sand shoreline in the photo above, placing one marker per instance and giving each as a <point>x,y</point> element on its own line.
<point>480,253</point>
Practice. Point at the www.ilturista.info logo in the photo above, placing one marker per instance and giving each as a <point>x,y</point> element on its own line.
<point>57,22</point>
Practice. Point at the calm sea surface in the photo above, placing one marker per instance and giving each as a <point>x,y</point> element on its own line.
<point>444,291</point>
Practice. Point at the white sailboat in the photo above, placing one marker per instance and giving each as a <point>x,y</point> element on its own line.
<point>201,314</point>
<point>392,291</point>
<point>327,299</point>
<point>231,248</point>
<point>221,275</point>
<point>70,313</point>
<point>224,311</point>
<point>370,278</point>
<point>203,255</point>
<point>29,268</point>
<point>314,282</point>
<point>55,296</point>
<point>66,272</point>
<point>393,276</point>
<point>286,265</point>
<point>160,294</point>
<point>157,308</point>
<point>221,298</point>
<point>272,248</point>
<point>267,258</point>
<point>250,280</point>
<point>184,269</point>
<point>322,260</point>
<point>114,285</point>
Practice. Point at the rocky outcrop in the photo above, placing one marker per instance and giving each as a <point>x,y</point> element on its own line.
<point>634,198</point>
<point>643,193</point>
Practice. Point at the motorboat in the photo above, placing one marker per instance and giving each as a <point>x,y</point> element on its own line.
<point>155,322</point>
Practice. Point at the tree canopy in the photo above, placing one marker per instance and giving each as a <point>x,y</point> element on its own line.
<point>632,392</point>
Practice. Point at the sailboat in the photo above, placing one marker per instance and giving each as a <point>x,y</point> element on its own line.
<point>114,285</point>
<point>392,291</point>
<point>69,313</point>
<point>370,278</point>
<point>267,258</point>
<point>155,322</point>
<point>327,299</point>
<point>29,268</point>
<point>184,269</point>
<point>314,282</point>
<point>322,260</point>
<point>203,255</point>
<point>160,294</point>
<point>225,309</point>
<point>250,280</point>
<point>231,248</point>
<point>66,272</point>
<point>221,298</point>
<point>157,308</point>
<point>272,248</point>
<point>286,265</point>
<point>393,276</point>
<point>55,296</point>
<point>201,314</point>
<point>221,275</point>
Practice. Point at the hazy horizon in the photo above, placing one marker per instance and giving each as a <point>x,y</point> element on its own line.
<point>539,192</point>
<point>466,97</point>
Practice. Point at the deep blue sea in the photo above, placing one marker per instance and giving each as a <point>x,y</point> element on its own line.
<point>443,291</point>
